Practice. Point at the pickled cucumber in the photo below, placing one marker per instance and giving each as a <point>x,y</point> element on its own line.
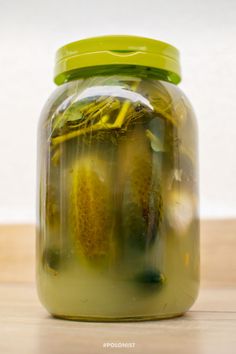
<point>90,207</point>
<point>141,192</point>
<point>150,280</point>
<point>52,207</point>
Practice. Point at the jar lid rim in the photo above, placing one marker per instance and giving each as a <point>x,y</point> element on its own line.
<point>117,50</point>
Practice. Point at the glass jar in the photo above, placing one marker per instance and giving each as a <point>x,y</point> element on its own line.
<point>118,225</point>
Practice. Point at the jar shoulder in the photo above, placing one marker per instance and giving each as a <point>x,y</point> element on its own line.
<point>181,104</point>
<point>57,98</point>
<point>157,95</point>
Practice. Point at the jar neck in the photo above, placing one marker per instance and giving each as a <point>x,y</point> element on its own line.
<point>130,70</point>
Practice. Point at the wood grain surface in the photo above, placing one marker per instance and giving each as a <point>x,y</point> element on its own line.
<point>210,326</point>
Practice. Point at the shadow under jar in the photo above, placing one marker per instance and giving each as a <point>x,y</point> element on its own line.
<point>117,223</point>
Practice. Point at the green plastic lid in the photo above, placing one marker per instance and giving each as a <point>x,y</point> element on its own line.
<point>117,50</point>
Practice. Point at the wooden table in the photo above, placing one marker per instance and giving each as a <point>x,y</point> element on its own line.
<point>210,326</point>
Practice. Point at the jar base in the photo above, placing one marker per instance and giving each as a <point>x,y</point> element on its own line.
<point>118,319</point>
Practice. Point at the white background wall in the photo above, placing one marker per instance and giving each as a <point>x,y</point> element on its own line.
<point>30,33</point>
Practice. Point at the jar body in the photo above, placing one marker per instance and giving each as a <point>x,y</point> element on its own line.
<point>118,226</point>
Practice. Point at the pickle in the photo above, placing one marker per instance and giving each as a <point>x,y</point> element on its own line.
<point>141,191</point>
<point>150,278</point>
<point>52,259</point>
<point>52,208</point>
<point>91,208</point>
